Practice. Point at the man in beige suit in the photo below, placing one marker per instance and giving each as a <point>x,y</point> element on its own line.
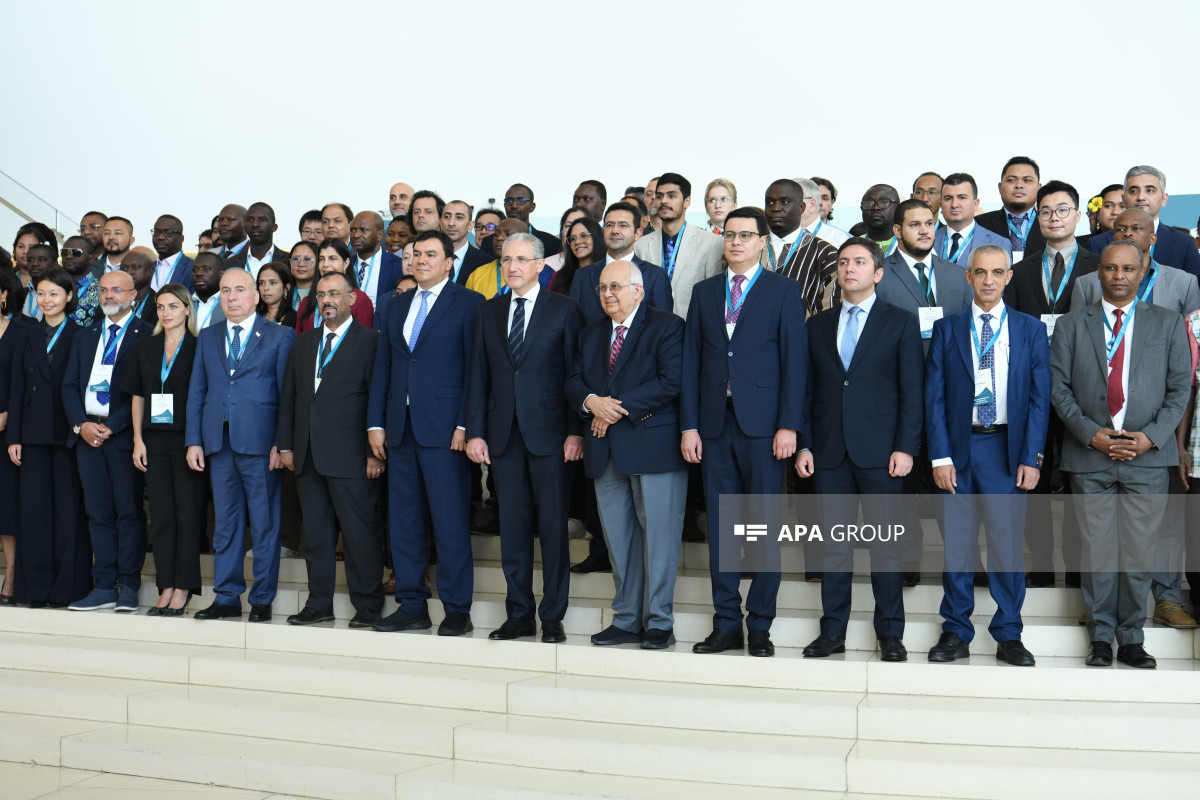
<point>689,253</point>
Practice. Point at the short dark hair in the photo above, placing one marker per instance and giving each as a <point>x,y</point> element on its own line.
<point>922,175</point>
<point>958,178</point>
<point>906,206</point>
<point>495,212</point>
<point>347,210</point>
<point>206,232</point>
<point>1053,187</point>
<point>177,220</point>
<point>338,246</point>
<point>1112,187</point>
<point>635,199</point>
<point>425,236</point>
<point>749,212</point>
<point>600,190</point>
<point>524,186</point>
<point>1026,160</point>
<point>828,184</point>
<point>872,248</point>
<point>63,280</point>
<point>685,186</point>
<point>628,208</point>
<point>270,211</point>
<point>41,231</point>
<point>635,190</point>
<point>121,219</point>
<point>206,255</point>
<point>421,195</point>
<point>94,214</point>
<point>791,184</point>
<point>307,217</point>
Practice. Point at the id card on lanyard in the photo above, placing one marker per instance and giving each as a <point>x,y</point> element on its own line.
<point>101,378</point>
<point>983,376</point>
<point>162,405</point>
<point>730,308</point>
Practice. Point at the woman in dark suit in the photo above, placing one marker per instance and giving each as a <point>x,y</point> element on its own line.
<point>157,379</point>
<point>54,559</point>
<point>10,319</point>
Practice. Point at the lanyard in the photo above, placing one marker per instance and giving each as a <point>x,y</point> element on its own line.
<point>1144,296</point>
<point>1015,232</point>
<point>110,347</point>
<point>733,309</point>
<point>962,248</point>
<point>165,370</point>
<point>1115,341</point>
<point>211,308</point>
<point>819,224</point>
<point>775,267</point>
<point>1065,279</point>
<point>31,302</point>
<point>500,287</point>
<point>367,273</point>
<point>975,335</point>
<point>237,357</point>
<point>58,333</point>
<point>321,366</point>
<point>892,247</point>
<point>670,266</point>
<point>142,305</point>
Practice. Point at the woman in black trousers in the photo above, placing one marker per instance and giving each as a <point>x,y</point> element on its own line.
<point>157,379</point>
<point>54,556</point>
<point>10,319</point>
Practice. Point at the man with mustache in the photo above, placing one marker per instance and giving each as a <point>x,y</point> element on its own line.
<point>1020,183</point>
<point>1146,188</point>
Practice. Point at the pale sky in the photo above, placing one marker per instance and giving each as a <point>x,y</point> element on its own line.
<point>140,108</point>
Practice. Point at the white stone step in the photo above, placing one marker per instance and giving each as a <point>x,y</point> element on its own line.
<point>1018,773</point>
<point>75,697</point>
<point>663,753</point>
<point>320,771</point>
<point>131,659</point>
<point>37,739</point>
<point>108,624</point>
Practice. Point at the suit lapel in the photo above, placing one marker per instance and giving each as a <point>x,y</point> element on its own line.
<point>829,323</point>
<point>749,299</point>
<point>1095,326</point>
<point>501,312</point>
<point>636,326</point>
<point>347,341</point>
<point>447,297</point>
<point>900,270</point>
<point>251,340</point>
<point>962,332</point>
<point>400,314</point>
<point>875,322</point>
<point>536,318</point>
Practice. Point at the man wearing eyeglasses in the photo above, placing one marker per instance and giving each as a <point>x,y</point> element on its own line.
<point>172,265</point>
<point>878,206</point>
<point>519,204</point>
<point>960,235</point>
<point>91,227</point>
<point>1146,188</point>
<point>102,436</point>
<point>518,422</point>
<point>928,189</point>
<point>77,261</point>
<point>486,220</point>
<point>260,230</point>
<point>1020,183</point>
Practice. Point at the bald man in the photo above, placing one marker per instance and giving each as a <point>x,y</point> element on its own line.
<point>399,199</point>
<point>375,270</point>
<point>231,425</point>
<point>102,436</point>
<point>139,265</point>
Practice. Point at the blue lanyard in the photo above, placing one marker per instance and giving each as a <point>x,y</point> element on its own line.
<point>58,333</point>
<point>1115,341</point>
<point>892,247</point>
<point>165,370</point>
<point>670,266</point>
<point>500,287</point>
<point>975,335</point>
<point>1066,276</point>
<point>329,357</point>
<point>367,274</point>
<point>142,305</point>
<point>237,357</point>
<point>961,249</point>
<point>1015,232</point>
<point>1144,296</point>
<point>819,224</point>
<point>729,298</point>
<point>31,302</point>
<point>110,347</point>
<point>208,316</point>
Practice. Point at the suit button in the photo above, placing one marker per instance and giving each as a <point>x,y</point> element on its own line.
<point>730,354</point>
<point>412,361</point>
<point>516,372</point>
<point>846,383</point>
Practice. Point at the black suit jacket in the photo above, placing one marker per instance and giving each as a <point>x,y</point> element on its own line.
<point>1025,293</point>
<point>997,222</point>
<point>239,261</point>
<point>531,392</point>
<point>36,414</point>
<point>551,244</point>
<point>473,258</point>
<point>75,382</point>
<point>875,407</point>
<point>328,425</point>
<point>1173,248</point>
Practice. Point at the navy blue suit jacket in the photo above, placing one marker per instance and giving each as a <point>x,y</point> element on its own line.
<point>950,389</point>
<point>79,370</point>
<point>474,257</point>
<point>390,267</point>
<point>35,400</point>
<point>252,391</point>
<point>874,408</point>
<point>1173,248</point>
<point>183,272</point>
<point>655,284</point>
<point>429,382</point>
<point>766,361</point>
<point>646,379</point>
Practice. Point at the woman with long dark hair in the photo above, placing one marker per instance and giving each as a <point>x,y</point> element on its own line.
<point>585,246</point>
<point>303,265</point>
<point>333,255</point>
<point>275,294</point>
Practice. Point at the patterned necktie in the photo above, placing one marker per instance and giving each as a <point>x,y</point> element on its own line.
<point>669,255</point>
<point>1116,368</point>
<point>923,279</point>
<point>615,349</point>
<point>110,357</point>
<point>516,334</point>
<point>419,322</point>
<point>325,353</point>
<point>987,411</point>
<point>362,272</point>
<point>956,241</point>
<point>783,255</point>
<point>735,295</point>
<point>1060,270</point>
<point>1013,238</point>
<point>235,350</point>
<point>849,336</point>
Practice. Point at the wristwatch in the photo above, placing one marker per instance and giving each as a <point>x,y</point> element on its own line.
<point>77,429</point>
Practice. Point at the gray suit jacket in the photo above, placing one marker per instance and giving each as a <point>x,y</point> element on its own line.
<point>899,288</point>
<point>1160,364</point>
<point>1174,289</point>
<point>700,256</point>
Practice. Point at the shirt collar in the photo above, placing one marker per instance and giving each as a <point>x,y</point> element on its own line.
<point>172,260</point>
<point>339,331</point>
<point>247,324</point>
<point>628,321</point>
<point>238,247</point>
<point>1026,215</point>
<point>750,275</point>
<point>965,232</point>
<point>1067,251</point>
<point>123,319</point>
<point>437,289</point>
<point>461,252</point>
<point>865,306</point>
<point>530,295</point>
<point>1109,307</point>
<point>912,262</point>
<point>996,312</point>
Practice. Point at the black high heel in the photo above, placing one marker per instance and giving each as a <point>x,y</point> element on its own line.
<point>178,612</point>
<point>7,600</point>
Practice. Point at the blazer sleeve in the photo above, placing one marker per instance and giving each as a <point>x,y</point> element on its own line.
<point>689,395</point>
<point>381,381</point>
<point>16,386</point>
<point>282,358</point>
<point>652,395</point>
<point>468,344</point>
<point>1191,260</point>
<point>660,294</point>
<point>478,383</point>
<point>793,350</point>
<point>72,399</point>
<point>287,405</point>
<point>911,370</point>
<point>1191,300</point>
<point>1179,386</point>
<point>197,392</point>
<point>937,434</point>
<point>1062,394</point>
<point>805,441</point>
<point>577,389</point>
<point>571,328</point>
<point>1038,347</point>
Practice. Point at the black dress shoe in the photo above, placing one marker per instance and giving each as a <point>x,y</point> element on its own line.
<point>1038,580</point>
<point>592,564</point>
<point>911,579</point>
<point>1014,653</point>
<point>981,578</point>
<point>1072,579</point>
<point>155,611</point>
<point>892,650</point>
<point>950,647</point>
<point>719,642</point>
<point>7,600</point>
<point>219,610</point>
<point>825,645</point>
<point>514,629</point>
<point>363,619</point>
<point>456,623</point>
<point>309,616</point>
<point>1136,656</point>
<point>401,620</point>
<point>259,612</point>
<point>1099,655</point>
<point>658,638</point>
<point>614,635</point>
<point>552,631</point>
<point>758,644</point>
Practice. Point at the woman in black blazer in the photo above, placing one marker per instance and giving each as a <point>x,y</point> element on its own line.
<point>54,558</point>
<point>157,379</point>
<point>10,320</point>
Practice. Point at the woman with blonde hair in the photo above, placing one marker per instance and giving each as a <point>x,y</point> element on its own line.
<point>158,377</point>
<point>719,199</point>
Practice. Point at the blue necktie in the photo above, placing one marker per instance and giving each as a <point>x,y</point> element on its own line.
<point>987,412</point>
<point>849,336</point>
<point>235,349</point>
<point>422,312</point>
<point>516,334</point>
<point>110,357</point>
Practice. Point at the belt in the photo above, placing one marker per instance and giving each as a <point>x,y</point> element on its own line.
<point>985,429</point>
<point>97,419</point>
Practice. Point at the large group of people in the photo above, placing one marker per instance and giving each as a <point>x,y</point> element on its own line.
<point>364,393</point>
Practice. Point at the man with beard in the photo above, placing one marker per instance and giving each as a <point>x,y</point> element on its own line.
<point>1146,188</point>
<point>1020,182</point>
<point>376,270</point>
<point>795,252</point>
<point>878,207</point>
<point>425,213</point>
<point>456,223</point>
<point>260,230</point>
<point>955,240</point>
<point>78,261</point>
<point>592,196</point>
<point>118,238</point>
<point>172,265</point>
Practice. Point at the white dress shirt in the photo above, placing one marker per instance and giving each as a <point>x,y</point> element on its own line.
<point>253,265</point>
<point>339,334</point>
<point>844,317</point>
<point>608,259</point>
<point>948,245</point>
<point>530,298</point>
<point>370,285</point>
<point>459,255</point>
<point>237,248</point>
<point>777,244</point>
<point>411,319</point>
<point>826,232</point>
<point>204,308</point>
<point>912,267</point>
<point>1068,253</point>
<point>109,266</point>
<point>163,271</point>
<point>1118,421</point>
<point>612,337</point>
<point>91,403</point>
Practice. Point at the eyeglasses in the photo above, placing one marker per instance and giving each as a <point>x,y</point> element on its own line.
<point>515,201</point>
<point>67,252</point>
<point>926,192</point>
<point>165,232</point>
<point>303,260</point>
<point>333,294</point>
<point>1062,212</point>
<point>742,236</point>
<point>611,287</point>
<point>713,201</point>
<point>95,226</point>
<point>485,226</point>
<point>520,261</point>
<point>867,205</point>
<point>582,237</point>
<point>111,290</point>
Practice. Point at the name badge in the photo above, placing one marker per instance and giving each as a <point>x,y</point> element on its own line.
<point>926,316</point>
<point>162,409</point>
<point>983,387</point>
<point>101,379</point>
<point>1049,320</point>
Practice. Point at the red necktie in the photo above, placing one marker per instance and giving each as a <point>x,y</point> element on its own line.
<point>615,349</point>
<point>1116,367</point>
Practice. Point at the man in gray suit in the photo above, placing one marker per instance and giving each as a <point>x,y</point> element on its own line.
<point>1119,442</point>
<point>689,254</point>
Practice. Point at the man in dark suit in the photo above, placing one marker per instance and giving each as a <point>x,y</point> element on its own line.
<point>456,223</point>
<point>862,430</point>
<point>103,440</point>
<point>139,265</point>
<point>172,265</point>
<point>260,230</point>
<point>230,225</point>
<point>375,269</point>
<point>322,438</point>
<point>1119,442</point>
<point>987,405</point>
<point>518,422</point>
<point>232,419</point>
<point>742,405</point>
<point>955,240</point>
<point>416,421</point>
<point>625,384</point>
<point>1020,186</point>
<point>1146,188</point>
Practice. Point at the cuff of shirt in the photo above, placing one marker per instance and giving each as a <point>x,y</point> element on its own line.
<point>943,462</point>
<point>374,429</point>
<point>460,428</point>
<point>584,407</point>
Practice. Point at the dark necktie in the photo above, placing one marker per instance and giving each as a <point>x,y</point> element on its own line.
<point>235,349</point>
<point>956,241</point>
<point>325,353</point>
<point>615,349</point>
<point>362,272</point>
<point>1116,368</point>
<point>110,357</point>
<point>923,279</point>
<point>783,255</point>
<point>1056,276</point>
<point>987,411</point>
<point>516,334</point>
